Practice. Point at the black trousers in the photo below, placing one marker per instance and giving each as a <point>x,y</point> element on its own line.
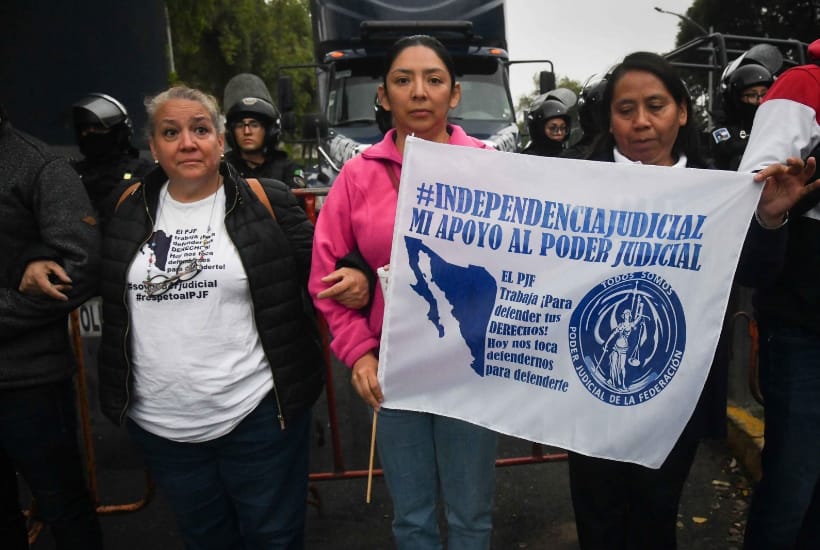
<point>38,439</point>
<point>620,505</point>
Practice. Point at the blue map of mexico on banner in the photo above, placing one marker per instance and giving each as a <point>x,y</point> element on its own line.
<point>572,303</point>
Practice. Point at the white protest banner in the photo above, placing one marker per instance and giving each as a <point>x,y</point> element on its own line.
<point>573,303</point>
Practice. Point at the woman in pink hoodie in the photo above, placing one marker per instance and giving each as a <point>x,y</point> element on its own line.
<point>420,452</point>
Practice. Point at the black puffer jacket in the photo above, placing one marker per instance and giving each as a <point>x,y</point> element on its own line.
<point>44,214</point>
<point>276,257</point>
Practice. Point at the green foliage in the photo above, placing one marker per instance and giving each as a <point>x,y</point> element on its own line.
<point>213,40</point>
<point>570,84</point>
<point>796,19</point>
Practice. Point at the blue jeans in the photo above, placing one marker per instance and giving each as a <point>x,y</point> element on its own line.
<point>422,453</point>
<point>790,382</point>
<point>244,490</point>
<point>38,439</point>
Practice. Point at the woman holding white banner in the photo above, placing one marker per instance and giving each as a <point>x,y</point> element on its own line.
<point>621,505</point>
<point>419,452</point>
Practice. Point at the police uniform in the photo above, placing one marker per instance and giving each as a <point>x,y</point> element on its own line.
<point>277,166</point>
<point>103,130</point>
<point>544,148</point>
<point>104,178</point>
<point>728,144</point>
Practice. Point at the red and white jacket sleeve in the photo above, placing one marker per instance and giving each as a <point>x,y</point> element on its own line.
<point>787,123</point>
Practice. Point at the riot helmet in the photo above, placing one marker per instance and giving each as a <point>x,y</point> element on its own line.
<point>543,110</point>
<point>737,83</point>
<point>590,106</point>
<point>247,96</point>
<point>749,75</point>
<point>101,125</point>
<point>754,67</point>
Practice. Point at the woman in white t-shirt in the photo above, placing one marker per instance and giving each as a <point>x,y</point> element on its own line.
<point>209,347</point>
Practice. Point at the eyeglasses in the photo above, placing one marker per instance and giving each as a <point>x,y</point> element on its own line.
<point>242,124</point>
<point>555,129</point>
<point>160,284</point>
<point>752,96</point>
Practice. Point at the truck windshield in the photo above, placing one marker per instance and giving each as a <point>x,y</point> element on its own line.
<point>483,97</point>
<point>351,100</point>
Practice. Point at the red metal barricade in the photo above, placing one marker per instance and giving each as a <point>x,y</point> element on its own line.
<point>754,346</point>
<point>88,437</point>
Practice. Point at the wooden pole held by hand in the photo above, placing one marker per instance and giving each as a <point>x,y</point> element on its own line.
<point>372,451</point>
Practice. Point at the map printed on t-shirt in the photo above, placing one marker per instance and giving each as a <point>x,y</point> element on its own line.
<point>179,260</point>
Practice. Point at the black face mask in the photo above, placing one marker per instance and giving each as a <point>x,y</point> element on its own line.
<point>746,114</point>
<point>98,145</point>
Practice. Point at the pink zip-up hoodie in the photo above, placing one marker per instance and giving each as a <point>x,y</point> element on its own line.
<point>359,213</point>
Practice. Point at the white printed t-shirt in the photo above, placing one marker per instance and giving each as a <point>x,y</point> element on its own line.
<point>197,361</point>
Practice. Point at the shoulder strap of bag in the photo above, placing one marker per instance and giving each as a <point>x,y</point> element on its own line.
<point>257,189</point>
<point>130,190</point>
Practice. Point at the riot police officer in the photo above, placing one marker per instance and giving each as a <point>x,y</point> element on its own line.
<point>103,131</point>
<point>590,117</point>
<point>252,131</point>
<point>742,88</point>
<point>549,124</point>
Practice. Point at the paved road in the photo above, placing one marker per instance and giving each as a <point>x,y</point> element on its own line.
<point>532,511</point>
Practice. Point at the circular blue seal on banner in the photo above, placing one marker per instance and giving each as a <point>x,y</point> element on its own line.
<point>627,337</point>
